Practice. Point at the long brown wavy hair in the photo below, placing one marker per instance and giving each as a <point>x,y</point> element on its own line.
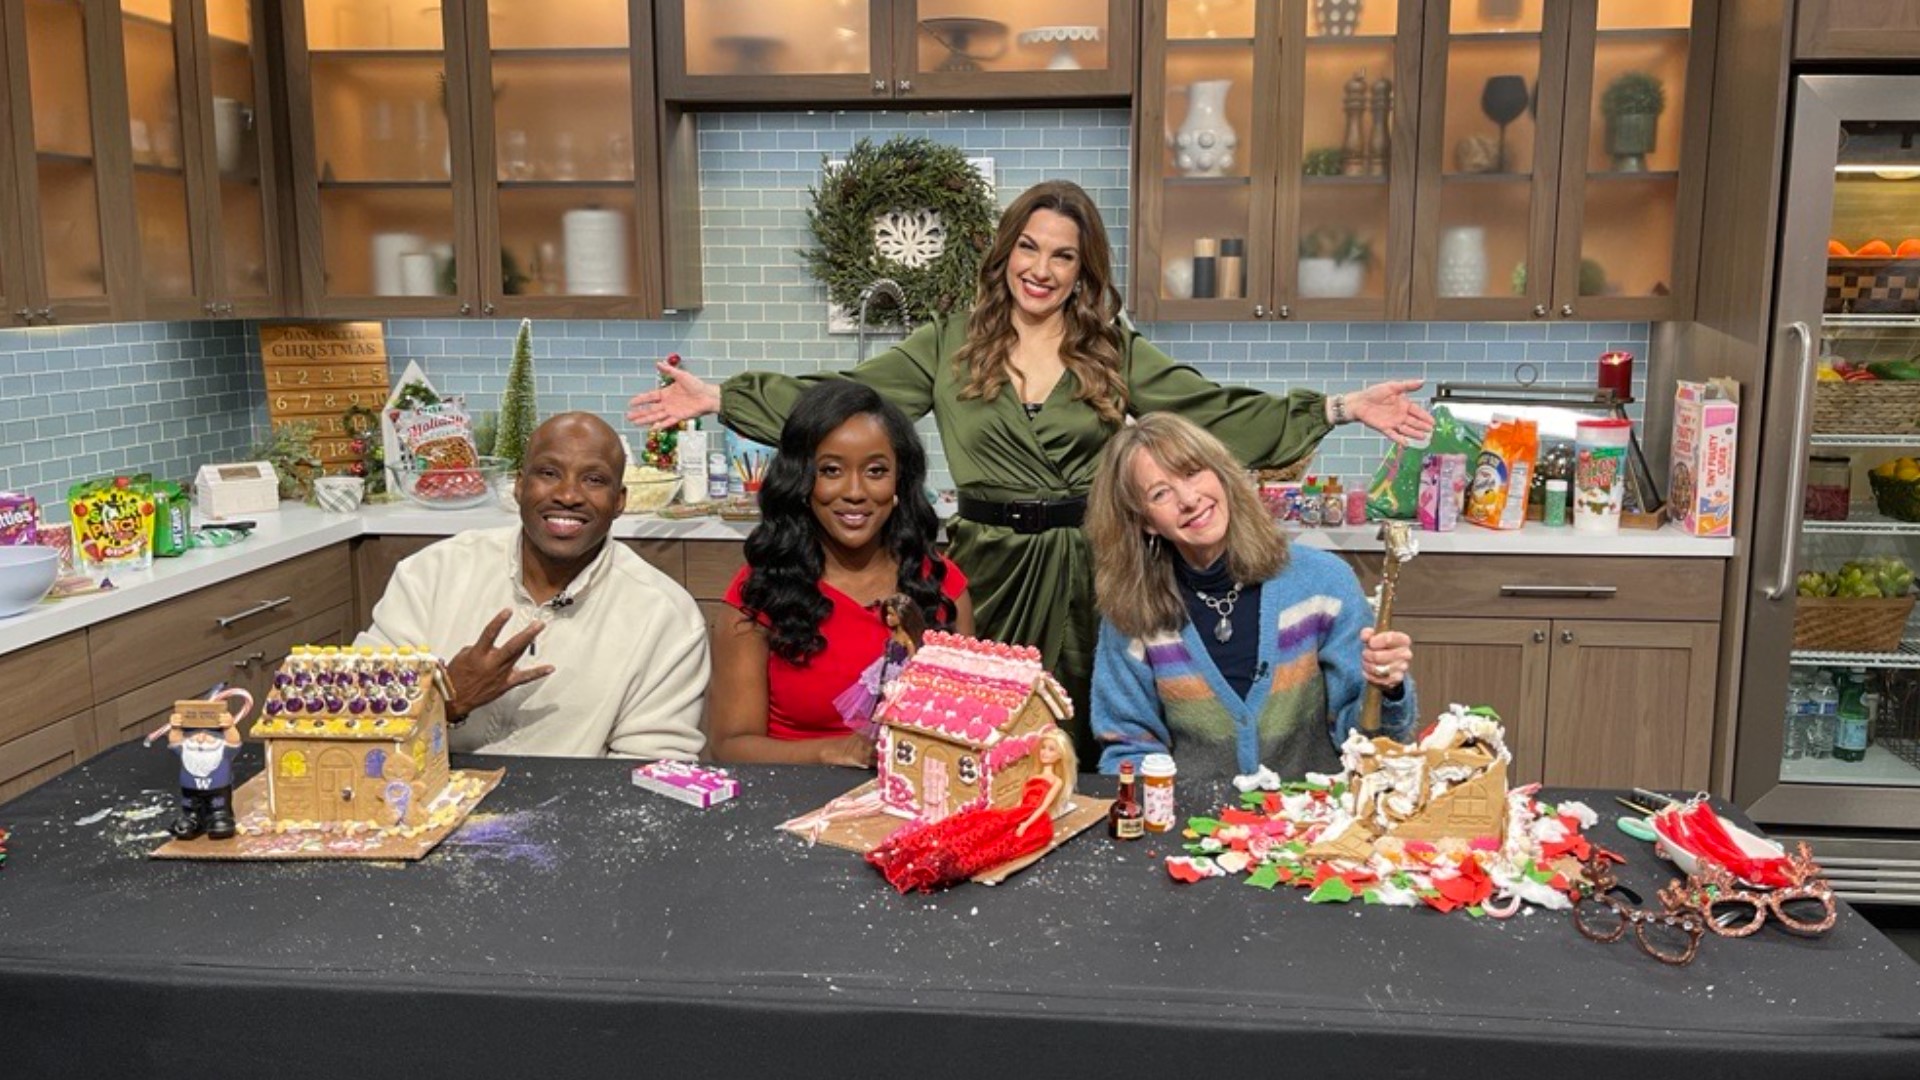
<point>1091,346</point>
<point>1133,582</point>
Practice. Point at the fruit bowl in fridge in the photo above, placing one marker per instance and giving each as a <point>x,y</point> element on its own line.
<point>452,487</point>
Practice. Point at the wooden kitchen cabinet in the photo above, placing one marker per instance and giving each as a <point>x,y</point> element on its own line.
<point>47,729</point>
<point>1603,669</point>
<point>1528,204</point>
<point>766,52</point>
<point>73,256</point>
<point>1857,30</point>
<point>1275,83</point>
<point>204,180</point>
<point>489,160</point>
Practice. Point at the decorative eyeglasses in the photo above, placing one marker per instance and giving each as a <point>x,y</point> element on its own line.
<point>1804,906</point>
<point>1601,912</point>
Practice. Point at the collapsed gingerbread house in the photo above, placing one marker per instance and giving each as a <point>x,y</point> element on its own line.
<point>959,726</point>
<point>354,735</point>
<point>1450,787</point>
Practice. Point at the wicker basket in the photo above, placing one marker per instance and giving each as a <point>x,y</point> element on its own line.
<point>1835,624</point>
<point>1866,408</point>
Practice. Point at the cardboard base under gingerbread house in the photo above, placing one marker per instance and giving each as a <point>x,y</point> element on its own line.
<point>261,838</point>
<point>1473,810</point>
<point>862,834</point>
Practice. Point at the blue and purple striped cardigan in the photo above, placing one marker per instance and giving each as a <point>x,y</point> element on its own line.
<point>1164,695</point>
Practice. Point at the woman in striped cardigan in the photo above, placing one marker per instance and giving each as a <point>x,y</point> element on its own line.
<point>1219,644</point>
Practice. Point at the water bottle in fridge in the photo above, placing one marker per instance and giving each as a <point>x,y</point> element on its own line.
<point>1793,743</point>
<point>1826,717</point>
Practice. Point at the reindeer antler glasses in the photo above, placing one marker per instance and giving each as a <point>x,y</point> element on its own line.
<point>1601,913</point>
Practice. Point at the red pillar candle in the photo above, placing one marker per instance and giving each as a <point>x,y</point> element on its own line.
<point>1616,373</point>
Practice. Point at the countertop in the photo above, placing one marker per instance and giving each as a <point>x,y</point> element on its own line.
<point>296,530</point>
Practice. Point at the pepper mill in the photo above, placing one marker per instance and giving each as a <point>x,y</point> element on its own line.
<point>1380,140</point>
<point>1353,149</point>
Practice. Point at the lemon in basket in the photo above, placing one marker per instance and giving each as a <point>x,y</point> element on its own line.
<point>1896,488</point>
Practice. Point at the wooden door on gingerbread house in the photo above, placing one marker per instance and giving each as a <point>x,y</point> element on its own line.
<point>335,774</point>
<point>294,786</point>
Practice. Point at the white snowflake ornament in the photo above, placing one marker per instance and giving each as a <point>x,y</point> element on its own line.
<point>912,238</point>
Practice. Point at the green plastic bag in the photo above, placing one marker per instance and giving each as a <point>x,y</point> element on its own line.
<point>1395,491</point>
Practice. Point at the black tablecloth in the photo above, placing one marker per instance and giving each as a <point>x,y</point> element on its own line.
<point>581,926</point>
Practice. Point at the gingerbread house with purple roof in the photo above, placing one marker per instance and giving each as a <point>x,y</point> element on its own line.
<point>960,724</point>
<point>354,735</point>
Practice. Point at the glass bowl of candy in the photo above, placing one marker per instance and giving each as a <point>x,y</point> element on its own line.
<point>453,488</point>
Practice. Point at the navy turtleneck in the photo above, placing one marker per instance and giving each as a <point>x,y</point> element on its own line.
<point>1239,658</point>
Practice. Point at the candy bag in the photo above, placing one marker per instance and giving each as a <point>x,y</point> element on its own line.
<point>19,519</point>
<point>112,524</point>
<point>172,520</point>
<point>1394,493</point>
<point>1503,474</point>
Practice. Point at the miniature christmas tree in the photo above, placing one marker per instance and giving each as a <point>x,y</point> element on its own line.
<point>662,450</point>
<point>517,405</point>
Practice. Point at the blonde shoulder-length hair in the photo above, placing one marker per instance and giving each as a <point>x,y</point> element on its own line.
<point>1133,580</point>
<point>1090,345</point>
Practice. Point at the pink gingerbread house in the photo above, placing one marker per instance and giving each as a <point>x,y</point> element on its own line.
<point>959,726</point>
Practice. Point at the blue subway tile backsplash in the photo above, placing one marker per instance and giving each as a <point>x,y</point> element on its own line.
<point>168,396</point>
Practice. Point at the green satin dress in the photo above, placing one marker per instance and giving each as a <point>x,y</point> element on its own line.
<point>1037,588</point>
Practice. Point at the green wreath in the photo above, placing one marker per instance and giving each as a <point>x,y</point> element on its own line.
<point>907,174</point>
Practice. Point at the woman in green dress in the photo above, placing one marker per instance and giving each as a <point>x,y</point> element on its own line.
<point>1026,388</point>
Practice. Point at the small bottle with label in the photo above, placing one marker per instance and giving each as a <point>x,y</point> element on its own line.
<point>1156,778</point>
<point>1850,734</point>
<point>1310,507</point>
<point>1125,820</point>
<point>1333,503</point>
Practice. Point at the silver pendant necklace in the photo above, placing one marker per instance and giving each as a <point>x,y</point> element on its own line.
<point>1222,630</point>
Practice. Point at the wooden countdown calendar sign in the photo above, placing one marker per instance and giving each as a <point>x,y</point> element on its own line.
<point>316,372</point>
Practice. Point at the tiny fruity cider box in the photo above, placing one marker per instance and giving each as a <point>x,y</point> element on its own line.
<point>1706,419</point>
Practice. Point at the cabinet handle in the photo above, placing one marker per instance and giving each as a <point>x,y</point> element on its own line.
<point>1566,310</point>
<point>466,309</point>
<point>1539,311</point>
<point>260,608</point>
<point>1797,463</point>
<point>1566,637</point>
<point>226,308</point>
<point>486,309</point>
<point>45,314</point>
<point>905,86</point>
<point>1286,311</point>
<point>248,661</point>
<point>210,307</point>
<point>1259,311</point>
<point>879,86</point>
<point>1560,592</point>
<point>1539,637</point>
<point>23,315</point>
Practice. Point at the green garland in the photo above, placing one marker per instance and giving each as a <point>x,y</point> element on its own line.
<point>906,173</point>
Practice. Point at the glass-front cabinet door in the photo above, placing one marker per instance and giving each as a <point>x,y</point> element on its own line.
<point>1634,151</point>
<point>14,309</point>
<point>1347,160</point>
<point>236,147</point>
<point>163,123</point>
<point>775,50</point>
<point>986,49</point>
<point>555,155</point>
<point>57,41</point>
<point>378,100</point>
<point>1275,159</point>
<point>881,50</point>
<point>1206,152</point>
<point>1493,80</point>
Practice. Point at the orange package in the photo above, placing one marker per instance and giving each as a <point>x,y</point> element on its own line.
<point>1504,474</point>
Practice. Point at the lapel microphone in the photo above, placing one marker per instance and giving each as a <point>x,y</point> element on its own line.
<point>560,602</point>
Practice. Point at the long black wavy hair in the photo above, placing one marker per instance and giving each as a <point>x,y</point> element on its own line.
<point>784,556</point>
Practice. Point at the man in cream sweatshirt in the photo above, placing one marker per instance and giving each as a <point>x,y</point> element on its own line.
<point>562,643</point>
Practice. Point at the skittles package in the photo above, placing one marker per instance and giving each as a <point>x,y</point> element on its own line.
<point>19,519</point>
<point>112,524</point>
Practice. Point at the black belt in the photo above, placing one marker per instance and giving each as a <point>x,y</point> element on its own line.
<point>1026,515</point>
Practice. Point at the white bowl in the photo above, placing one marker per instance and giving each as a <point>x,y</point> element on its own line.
<point>26,573</point>
<point>1756,846</point>
<point>453,489</point>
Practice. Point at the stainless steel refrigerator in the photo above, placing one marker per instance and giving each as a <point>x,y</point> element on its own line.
<point>1847,297</point>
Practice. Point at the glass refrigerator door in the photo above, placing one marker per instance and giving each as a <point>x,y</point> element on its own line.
<point>1833,737</point>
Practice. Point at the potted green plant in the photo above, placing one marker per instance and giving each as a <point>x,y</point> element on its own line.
<point>1333,263</point>
<point>1632,104</point>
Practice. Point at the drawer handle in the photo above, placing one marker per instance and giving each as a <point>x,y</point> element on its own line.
<point>249,660</point>
<point>1560,592</point>
<point>260,608</point>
